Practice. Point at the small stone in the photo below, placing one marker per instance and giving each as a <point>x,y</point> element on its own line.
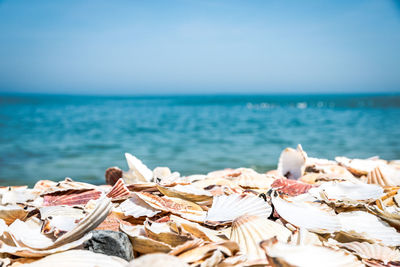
<point>110,243</point>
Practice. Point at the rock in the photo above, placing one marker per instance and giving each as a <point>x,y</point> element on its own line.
<point>110,243</point>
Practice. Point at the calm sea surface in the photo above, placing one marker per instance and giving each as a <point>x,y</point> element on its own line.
<point>51,137</point>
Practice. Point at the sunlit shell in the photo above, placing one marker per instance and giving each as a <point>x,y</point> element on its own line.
<point>377,177</point>
<point>359,166</point>
<point>364,226</point>
<point>288,255</point>
<point>119,191</point>
<point>71,197</point>
<point>113,174</point>
<point>249,178</point>
<point>304,237</point>
<point>68,185</point>
<point>163,233</point>
<point>12,212</point>
<point>225,209</point>
<point>305,215</point>
<point>16,194</point>
<point>188,192</point>
<point>292,162</point>
<point>79,258</point>
<point>372,251</point>
<point>60,219</point>
<point>249,230</point>
<point>157,259</point>
<point>141,243</point>
<point>290,187</point>
<point>390,214</point>
<point>136,207</point>
<point>347,193</point>
<point>137,170</point>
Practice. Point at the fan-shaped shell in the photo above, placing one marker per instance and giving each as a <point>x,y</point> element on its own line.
<point>372,251</point>
<point>71,197</point>
<point>225,209</point>
<point>249,230</point>
<point>292,162</point>
<point>290,187</point>
<point>377,177</point>
<point>359,167</point>
<point>136,207</point>
<point>67,185</point>
<point>188,192</point>
<point>305,215</point>
<point>119,191</point>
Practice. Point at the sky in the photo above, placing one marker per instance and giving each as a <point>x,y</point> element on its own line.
<point>183,46</point>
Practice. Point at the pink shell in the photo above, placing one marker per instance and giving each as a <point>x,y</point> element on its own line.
<point>71,198</point>
<point>119,190</point>
<point>290,187</point>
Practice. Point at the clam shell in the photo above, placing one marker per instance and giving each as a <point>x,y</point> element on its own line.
<point>71,197</point>
<point>365,226</point>
<point>137,170</point>
<point>225,209</point>
<point>249,230</point>
<point>12,212</point>
<point>136,207</point>
<point>292,162</point>
<point>287,255</point>
<point>188,192</point>
<point>79,258</point>
<point>113,174</point>
<point>157,259</point>
<point>305,215</point>
<point>372,251</point>
<point>290,187</point>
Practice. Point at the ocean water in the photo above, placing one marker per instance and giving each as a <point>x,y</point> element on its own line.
<point>52,137</point>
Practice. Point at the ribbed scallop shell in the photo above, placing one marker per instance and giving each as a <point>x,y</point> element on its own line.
<point>71,197</point>
<point>249,178</point>
<point>290,187</point>
<point>249,230</point>
<point>188,192</point>
<point>377,177</point>
<point>225,209</point>
<point>136,207</point>
<point>292,162</point>
<point>287,255</point>
<point>359,167</point>
<point>305,215</point>
<point>68,185</point>
<point>119,191</point>
<point>372,251</point>
<point>365,226</point>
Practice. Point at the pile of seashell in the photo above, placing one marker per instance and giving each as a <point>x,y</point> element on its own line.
<point>308,212</point>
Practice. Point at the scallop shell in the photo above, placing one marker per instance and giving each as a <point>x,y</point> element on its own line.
<point>249,230</point>
<point>305,215</point>
<point>377,177</point>
<point>157,259</point>
<point>71,197</point>
<point>390,214</point>
<point>79,258</point>
<point>359,167</point>
<point>365,226</point>
<point>113,174</point>
<point>163,233</point>
<point>347,193</point>
<point>16,194</point>
<point>136,207</point>
<point>119,191</point>
<point>137,170</point>
<point>290,187</point>
<point>292,162</point>
<point>287,255</point>
<point>249,178</point>
<point>188,192</point>
<point>68,185</point>
<point>12,212</point>
<point>372,251</point>
<point>225,209</point>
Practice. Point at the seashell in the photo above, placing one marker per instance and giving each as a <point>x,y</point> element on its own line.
<point>376,177</point>
<point>60,219</point>
<point>303,237</point>
<point>249,178</point>
<point>141,243</point>
<point>189,245</point>
<point>10,213</point>
<point>160,173</point>
<point>71,197</point>
<point>136,207</point>
<point>163,233</point>
<point>365,226</point>
<point>68,185</point>
<point>110,223</point>
<point>137,170</point>
<point>113,174</point>
<point>119,190</point>
<point>389,214</point>
<point>366,250</point>
<point>225,209</point>
<point>79,258</point>
<point>305,215</point>
<point>43,185</point>
<point>359,167</point>
<point>157,259</point>
<point>16,194</point>
<point>347,193</point>
<point>288,255</point>
<point>188,192</point>
<point>249,230</point>
<point>292,163</point>
<point>290,187</point>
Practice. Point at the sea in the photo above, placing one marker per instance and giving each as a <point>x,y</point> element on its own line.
<point>58,136</point>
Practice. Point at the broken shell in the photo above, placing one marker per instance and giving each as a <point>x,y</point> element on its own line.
<point>188,192</point>
<point>119,191</point>
<point>359,167</point>
<point>163,233</point>
<point>290,187</point>
<point>372,251</point>
<point>248,231</point>
<point>71,197</point>
<point>249,178</point>
<point>138,172</point>
<point>292,163</point>
<point>136,207</point>
<point>377,177</point>
<point>12,212</point>
<point>225,209</point>
<point>68,185</point>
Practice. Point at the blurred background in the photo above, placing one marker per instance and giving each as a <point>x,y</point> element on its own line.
<point>193,85</point>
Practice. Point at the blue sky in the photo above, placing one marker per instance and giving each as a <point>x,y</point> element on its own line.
<point>146,47</point>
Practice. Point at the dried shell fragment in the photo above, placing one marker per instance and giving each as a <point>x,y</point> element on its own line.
<point>67,185</point>
<point>377,177</point>
<point>136,207</point>
<point>290,187</point>
<point>249,178</point>
<point>249,230</point>
<point>188,192</point>
<point>225,209</point>
<point>16,194</point>
<point>71,197</point>
<point>372,251</point>
<point>390,214</point>
<point>287,255</point>
<point>79,258</point>
<point>163,233</point>
<point>119,191</point>
<point>12,212</point>
<point>137,170</point>
<point>292,163</point>
<point>359,167</point>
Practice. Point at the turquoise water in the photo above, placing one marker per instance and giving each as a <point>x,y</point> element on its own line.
<point>51,137</point>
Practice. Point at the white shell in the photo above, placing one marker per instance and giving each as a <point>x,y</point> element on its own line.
<point>225,209</point>
<point>137,170</point>
<point>292,162</point>
<point>136,207</point>
<point>306,215</point>
<point>363,225</point>
<point>372,251</point>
